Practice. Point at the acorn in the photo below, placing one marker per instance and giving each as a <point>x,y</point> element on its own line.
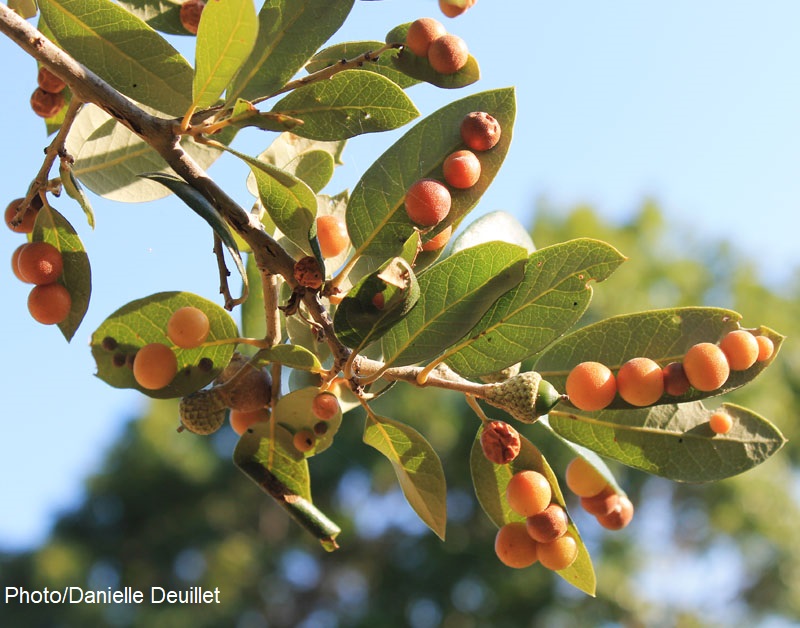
<point>525,397</point>
<point>203,412</point>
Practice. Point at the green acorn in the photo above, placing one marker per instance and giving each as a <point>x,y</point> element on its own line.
<point>525,397</point>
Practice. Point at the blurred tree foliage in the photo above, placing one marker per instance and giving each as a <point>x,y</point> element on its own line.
<point>171,510</point>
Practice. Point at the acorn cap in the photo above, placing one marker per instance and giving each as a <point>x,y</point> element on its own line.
<point>203,412</point>
<point>525,397</point>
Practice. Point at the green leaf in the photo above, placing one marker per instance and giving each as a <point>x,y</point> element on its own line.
<point>24,8</point>
<point>275,454</point>
<point>74,190</point>
<point>253,322</point>
<point>454,294</point>
<point>359,321</point>
<point>416,465</point>
<point>384,65</point>
<point>661,335</point>
<point>347,104</point>
<point>490,481</point>
<point>550,299</point>
<point>290,203</point>
<point>293,356</point>
<point>673,440</point>
<point>376,216</point>
<point>293,411</point>
<point>123,50</point>
<point>420,69</point>
<point>161,15</point>
<point>289,33</point>
<point>140,322</point>
<point>309,160</point>
<point>266,455</point>
<point>53,228</point>
<point>225,38</point>
<point>110,158</point>
<point>200,205</point>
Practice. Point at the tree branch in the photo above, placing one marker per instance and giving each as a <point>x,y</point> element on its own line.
<point>159,133</point>
<point>162,135</point>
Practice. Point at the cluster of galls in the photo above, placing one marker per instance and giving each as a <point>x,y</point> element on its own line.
<point>48,98</point>
<point>40,264</point>
<point>642,382</point>
<point>155,365</point>
<point>428,38</point>
<point>324,407</point>
<point>428,200</point>
<point>543,537</point>
<point>612,510</point>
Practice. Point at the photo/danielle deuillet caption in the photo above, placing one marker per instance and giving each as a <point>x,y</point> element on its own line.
<point>125,595</point>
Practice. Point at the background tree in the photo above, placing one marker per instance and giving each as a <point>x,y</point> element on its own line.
<point>174,511</point>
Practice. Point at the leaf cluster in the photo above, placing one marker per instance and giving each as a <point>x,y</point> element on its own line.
<point>444,318</point>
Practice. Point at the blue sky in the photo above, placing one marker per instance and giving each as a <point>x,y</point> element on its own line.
<point>693,104</point>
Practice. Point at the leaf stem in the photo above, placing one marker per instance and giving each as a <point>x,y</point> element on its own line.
<point>331,70</point>
<point>54,150</point>
<point>473,403</point>
<point>224,273</point>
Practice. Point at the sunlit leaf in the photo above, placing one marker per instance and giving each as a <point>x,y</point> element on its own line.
<point>550,299</point>
<point>120,48</point>
<point>496,225</point>
<point>24,8</point>
<point>110,158</point>
<point>309,160</point>
<point>376,216</point>
<point>454,294</point>
<point>53,228</point>
<point>293,356</point>
<point>74,190</point>
<point>253,321</point>
<point>271,447</point>
<point>672,440</point>
<point>225,38</point>
<point>140,322</point>
<point>161,15</point>
<point>289,33</point>
<point>265,454</point>
<point>416,465</point>
<point>347,104</point>
<point>290,203</point>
